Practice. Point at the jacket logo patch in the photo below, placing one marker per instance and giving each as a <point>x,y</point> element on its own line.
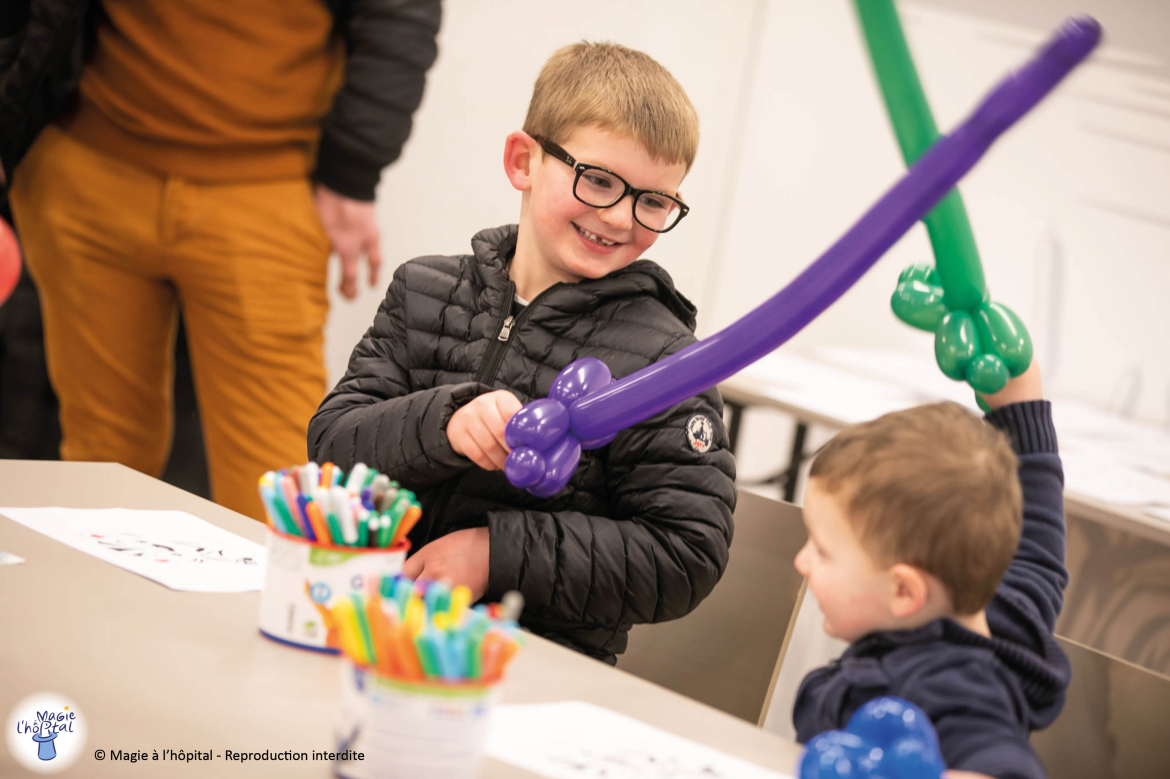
<point>700,433</point>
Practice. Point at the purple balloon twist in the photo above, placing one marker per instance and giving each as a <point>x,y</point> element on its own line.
<point>585,405</point>
<point>544,451</point>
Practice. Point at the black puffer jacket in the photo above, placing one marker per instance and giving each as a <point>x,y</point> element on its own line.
<point>640,534</point>
<point>389,46</point>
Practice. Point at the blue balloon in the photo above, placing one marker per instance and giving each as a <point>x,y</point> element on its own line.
<point>888,738</point>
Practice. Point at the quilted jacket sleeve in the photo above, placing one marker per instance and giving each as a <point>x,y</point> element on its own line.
<point>658,553</point>
<point>372,416</point>
<point>389,45</point>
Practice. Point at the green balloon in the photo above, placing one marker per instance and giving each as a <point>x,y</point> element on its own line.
<point>920,272</point>
<point>947,224</point>
<point>1003,334</point>
<point>987,374</point>
<point>956,344</point>
<point>957,285</point>
<point>918,304</point>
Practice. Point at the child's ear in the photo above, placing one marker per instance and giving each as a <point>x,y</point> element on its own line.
<point>520,154</point>
<point>910,588</point>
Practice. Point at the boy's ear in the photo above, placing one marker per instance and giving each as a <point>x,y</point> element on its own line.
<point>520,154</point>
<point>911,590</point>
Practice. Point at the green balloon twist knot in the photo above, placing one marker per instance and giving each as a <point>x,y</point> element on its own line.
<point>984,346</point>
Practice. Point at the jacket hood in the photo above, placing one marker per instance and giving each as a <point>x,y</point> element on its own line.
<point>494,247</point>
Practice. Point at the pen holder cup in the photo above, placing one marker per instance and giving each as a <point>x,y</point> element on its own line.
<point>408,729</point>
<point>304,580</point>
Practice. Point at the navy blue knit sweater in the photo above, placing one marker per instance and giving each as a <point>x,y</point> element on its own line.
<point>984,695</point>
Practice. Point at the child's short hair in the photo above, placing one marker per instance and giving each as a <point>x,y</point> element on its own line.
<point>934,487</point>
<point>618,89</point>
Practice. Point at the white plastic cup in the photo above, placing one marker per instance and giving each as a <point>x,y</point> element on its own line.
<point>304,580</point>
<point>410,729</point>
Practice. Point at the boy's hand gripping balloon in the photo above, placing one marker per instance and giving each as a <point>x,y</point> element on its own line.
<point>586,408</point>
<point>887,738</point>
<point>975,339</point>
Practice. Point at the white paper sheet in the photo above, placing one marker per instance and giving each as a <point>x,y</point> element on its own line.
<point>173,548</point>
<point>1159,512</point>
<point>7,558</point>
<point>577,740</point>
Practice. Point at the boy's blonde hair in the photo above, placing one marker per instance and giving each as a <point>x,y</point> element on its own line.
<point>618,89</point>
<point>934,487</point>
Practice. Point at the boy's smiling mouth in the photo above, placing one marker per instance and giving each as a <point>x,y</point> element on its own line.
<point>594,237</point>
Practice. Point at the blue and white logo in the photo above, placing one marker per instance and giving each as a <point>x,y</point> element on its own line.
<point>46,733</point>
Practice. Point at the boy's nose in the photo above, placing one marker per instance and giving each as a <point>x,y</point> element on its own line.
<point>619,215</point>
<point>799,562</point>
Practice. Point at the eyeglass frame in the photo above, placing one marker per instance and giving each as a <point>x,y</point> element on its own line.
<point>579,168</point>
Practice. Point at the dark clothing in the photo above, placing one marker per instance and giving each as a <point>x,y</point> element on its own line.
<point>984,695</point>
<point>42,49</point>
<point>29,428</point>
<point>641,532</point>
<point>389,46</point>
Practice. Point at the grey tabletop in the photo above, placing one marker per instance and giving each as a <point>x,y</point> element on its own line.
<point>153,668</point>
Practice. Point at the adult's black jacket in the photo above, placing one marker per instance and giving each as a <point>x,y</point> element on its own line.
<point>390,44</point>
<point>640,534</point>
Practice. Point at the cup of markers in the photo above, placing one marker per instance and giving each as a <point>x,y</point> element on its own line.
<point>420,679</point>
<point>328,534</point>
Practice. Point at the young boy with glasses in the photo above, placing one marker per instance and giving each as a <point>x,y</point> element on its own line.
<point>641,532</point>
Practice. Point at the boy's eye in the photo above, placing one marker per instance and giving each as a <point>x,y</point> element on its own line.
<point>599,181</point>
<point>652,201</point>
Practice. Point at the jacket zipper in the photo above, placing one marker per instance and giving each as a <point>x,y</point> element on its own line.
<point>505,326</point>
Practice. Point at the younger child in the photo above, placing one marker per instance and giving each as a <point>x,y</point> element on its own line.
<point>641,532</point>
<point>917,558</point>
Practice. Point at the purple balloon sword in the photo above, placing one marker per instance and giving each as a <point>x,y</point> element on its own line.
<point>585,408</point>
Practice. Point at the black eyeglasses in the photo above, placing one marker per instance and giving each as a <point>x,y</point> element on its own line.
<point>600,188</point>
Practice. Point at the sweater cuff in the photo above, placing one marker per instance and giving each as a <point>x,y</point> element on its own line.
<point>1028,424</point>
<point>344,172</point>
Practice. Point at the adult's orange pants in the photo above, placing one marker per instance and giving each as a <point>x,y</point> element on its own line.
<point>116,250</point>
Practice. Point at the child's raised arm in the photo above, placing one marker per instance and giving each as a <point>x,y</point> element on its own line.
<point>1036,578</point>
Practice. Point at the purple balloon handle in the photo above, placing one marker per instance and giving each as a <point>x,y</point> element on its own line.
<point>601,412</point>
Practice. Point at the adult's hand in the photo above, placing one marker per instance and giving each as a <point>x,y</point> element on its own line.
<point>353,231</point>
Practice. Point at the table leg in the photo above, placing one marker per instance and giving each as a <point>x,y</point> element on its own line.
<point>794,461</point>
<point>734,417</point>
